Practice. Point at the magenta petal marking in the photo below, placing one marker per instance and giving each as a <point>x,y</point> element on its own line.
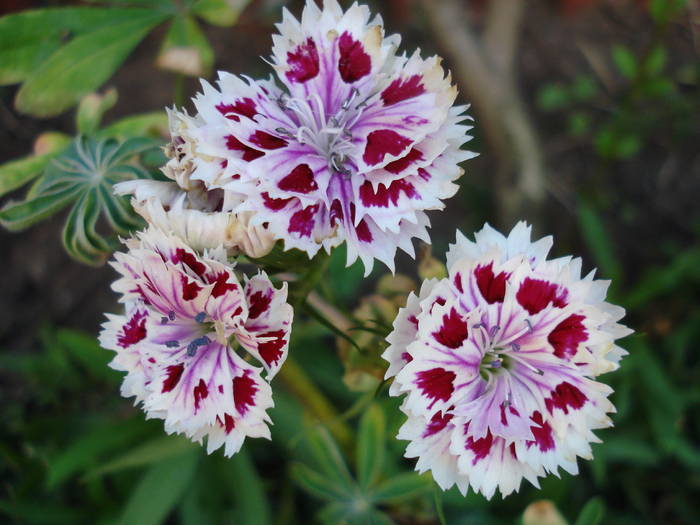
<point>299,180</point>
<point>134,330</point>
<point>492,287</point>
<point>438,422</point>
<point>567,335</point>
<point>385,194</point>
<point>535,295</point>
<point>436,383</point>
<point>302,221</point>
<point>354,63</point>
<point>403,89</point>
<point>566,396</point>
<point>303,62</point>
<point>244,390</point>
<point>383,142</point>
<point>453,331</point>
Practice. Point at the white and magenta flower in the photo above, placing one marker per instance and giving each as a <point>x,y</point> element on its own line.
<point>498,363</point>
<point>187,321</point>
<point>191,206</point>
<point>356,146</point>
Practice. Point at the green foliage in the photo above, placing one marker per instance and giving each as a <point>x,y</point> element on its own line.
<point>61,54</point>
<point>83,176</point>
<point>354,501</point>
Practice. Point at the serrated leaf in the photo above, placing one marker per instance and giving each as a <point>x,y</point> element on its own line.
<point>317,484</point>
<point>82,65</point>
<point>91,109</point>
<point>401,487</point>
<point>592,513</point>
<point>153,451</point>
<point>370,446</point>
<point>159,490</point>
<point>186,49</point>
<point>219,12</point>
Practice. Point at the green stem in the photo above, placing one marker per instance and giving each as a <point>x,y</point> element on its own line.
<point>313,400</point>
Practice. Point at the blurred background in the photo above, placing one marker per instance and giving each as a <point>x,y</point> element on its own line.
<point>587,124</point>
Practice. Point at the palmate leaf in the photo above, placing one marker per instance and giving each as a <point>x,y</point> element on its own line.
<point>84,175</point>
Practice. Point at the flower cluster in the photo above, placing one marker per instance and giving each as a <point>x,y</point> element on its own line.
<point>186,316</point>
<point>498,363</point>
<point>355,144</point>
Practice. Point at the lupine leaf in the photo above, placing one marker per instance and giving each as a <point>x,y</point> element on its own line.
<point>30,37</point>
<point>370,446</point>
<point>153,124</point>
<point>592,513</point>
<point>219,12</point>
<point>328,456</point>
<point>82,65</point>
<point>17,216</point>
<point>16,173</point>
<point>185,49</point>
<point>316,484</point>
<point>91,109</point>
<point>401,487</point>
<point>153,451</point>
<point>159,490</point>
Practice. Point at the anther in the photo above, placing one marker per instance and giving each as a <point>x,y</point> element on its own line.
<point>171,315</point>
<point>200,317</point>
<point>515,347</point>
<point>494,329</point>
<point>163,320</point>
<point>172,344</point>
<point>529,325</point>
<point>200,341</point>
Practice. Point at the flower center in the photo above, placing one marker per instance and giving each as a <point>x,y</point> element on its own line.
<point>500,356</point>
<point>329,135</point>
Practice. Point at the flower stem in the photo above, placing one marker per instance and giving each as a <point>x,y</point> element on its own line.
<point>313,400</point>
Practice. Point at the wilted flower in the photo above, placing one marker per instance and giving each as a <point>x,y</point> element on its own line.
<point>358,144</point>
<point>186,316</point>
<point>194,206</point>
<point>498,363</point>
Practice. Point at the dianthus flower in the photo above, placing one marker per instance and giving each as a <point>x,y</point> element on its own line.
<point>498,363</point>
<point>201,214</point>
<point>355,146</point>
<point>186,317</point>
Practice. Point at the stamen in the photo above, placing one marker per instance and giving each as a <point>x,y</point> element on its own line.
<point>515,347</point>
<point>163,320</point>
<point>494,329</point>
<point>172,344</point>
<point>529,325</point>
<point>200,341</point>
<point>200,317</point>
<point>171,315</point>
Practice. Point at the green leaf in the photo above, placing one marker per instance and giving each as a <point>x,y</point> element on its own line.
<point>16,216</point>
<point>251,503</point>
<point>186,49</point>
<point>159,490</point>
<point>328,456</point>
<point>655,61</point>
<point>625,61</point>
<point>552,97</point>
<point>16,173</point>
<point>592,512</point>
<point>153,124</point>
<point>401,487</point>
<point>370,446</point>
<point>86,350</point>
<point>30,37</point>
<point>318,485</point>
<point>599,242</point>
<point>82,65</point>
<point>153,451</point>
<point>91,109</point>
<point>79,237</point>
<point>219,12</point>
<point>87,448</point>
